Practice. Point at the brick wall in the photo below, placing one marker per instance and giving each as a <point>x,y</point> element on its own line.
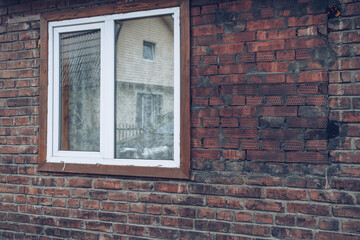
<point>275,133</point>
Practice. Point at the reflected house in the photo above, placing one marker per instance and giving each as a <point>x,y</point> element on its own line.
<point>144,80</point>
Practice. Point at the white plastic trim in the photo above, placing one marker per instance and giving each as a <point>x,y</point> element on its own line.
<point>107,97</point>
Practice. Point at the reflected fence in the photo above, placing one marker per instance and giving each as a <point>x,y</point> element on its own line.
<point>127,131</point>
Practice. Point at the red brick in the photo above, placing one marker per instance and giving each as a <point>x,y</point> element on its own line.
<point>129,229</point>
<point>276,34</point>
<point>254,100</point>
<point>329,224</point>
<point>346,157</point>
<point>8,38</point>
<point>205,132</point>
<point>272,145</point>
<point>307,20</point>
<point>18,27</point>
<point>351,226</point>
<point>170,187</point>
<point>338,37</point>
<point>195,11</point>
<point>354,37</point>
<point>274,100</point>
<point>251,229</point>
<point>316,145</point>
<point>201,71</point>
<point>312,209</point>
<point>211,143</point>
<point>211,122</point>
<point>305,43</point>
<point>228,48</point>
<point>78,182</point>
<point>303,54</point>
<point>249,144</point>
<point>240,133</point>
<point>225,59</point>
<point>106,184</point>
<point>56,192</point>
<point>90,204</point>
<point>224,215</point>
<point>290,233</point>
<point>200,41</point>
<point>236,6</point>
<point>244,192</point>
<point>264,205</point>
<point>346,64</point>
<point>231,79</point>
<point>286,194</point>
<point>351,171</point>
<point>312,77</point>
<point>285,55</point>
<point>205,30</point>
<point>203,20</point>
<point>273,67</point>
<point>246,58</point>
<point>153,209</point>
<point>229,122</point>
<point>294,145</point>
<point>331,197</point>
<point>265,24</point>
<point>205,213</point>
<point>238,37</point>
<point>314,157</point>
<point>205,225</point>
<point>287,220</point>
<point>98,226</point>
<point>351,117</point>
<point>209,9</point>
<point>224,202</point>
<point>265,57</point>
<point>308,89</point>
<point>308,31</point>
<point>267,13</point>
<point>307,122</point>
<point>267,156</point>
<point>123,196</point>
<point>234,154</point>
<point>205,154</point>
<point>295,100</point>
<point>278,111</point>
<point>230,143</point>
<point>332,235</point>
<point>266,46</point>
<point>316,100</point>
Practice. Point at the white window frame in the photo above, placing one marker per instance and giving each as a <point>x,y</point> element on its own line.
<point>105,156</point>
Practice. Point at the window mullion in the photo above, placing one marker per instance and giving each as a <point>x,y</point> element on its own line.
<point>107,104</point>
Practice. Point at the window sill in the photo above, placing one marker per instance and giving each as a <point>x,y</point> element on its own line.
<point>158,172</point>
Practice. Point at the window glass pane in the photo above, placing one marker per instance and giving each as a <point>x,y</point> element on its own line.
<point>149,51</point>
<point>145,89</point>
<point>80,91</point>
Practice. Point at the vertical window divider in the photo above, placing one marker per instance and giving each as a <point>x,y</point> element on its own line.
<point>107,90</point>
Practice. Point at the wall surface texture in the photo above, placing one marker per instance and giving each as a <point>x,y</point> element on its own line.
<point>275,116</point>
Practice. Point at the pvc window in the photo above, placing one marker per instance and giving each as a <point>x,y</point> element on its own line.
<point>108,111</point>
